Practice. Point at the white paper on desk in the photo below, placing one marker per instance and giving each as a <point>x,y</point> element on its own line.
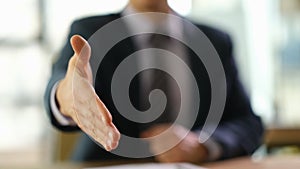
<point>152,166</point>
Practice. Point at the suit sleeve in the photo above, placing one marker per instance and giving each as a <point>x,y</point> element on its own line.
<point>240,130</point>
<point>58,72</point>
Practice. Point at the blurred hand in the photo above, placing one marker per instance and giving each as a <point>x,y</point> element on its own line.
<point>77,98</point>
<point>189,149</point>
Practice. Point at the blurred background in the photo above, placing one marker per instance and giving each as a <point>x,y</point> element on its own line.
<point>266,35</point>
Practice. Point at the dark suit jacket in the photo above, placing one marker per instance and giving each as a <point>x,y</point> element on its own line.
<point>239,132</point>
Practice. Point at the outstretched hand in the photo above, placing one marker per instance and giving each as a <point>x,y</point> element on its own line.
<point>77,98</point>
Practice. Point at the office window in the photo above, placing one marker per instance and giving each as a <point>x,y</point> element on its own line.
<point>22,71</point>
<point>18,20</point>
<point>288,60</point>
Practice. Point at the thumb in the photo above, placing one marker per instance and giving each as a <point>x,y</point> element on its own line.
<point>82,49</point>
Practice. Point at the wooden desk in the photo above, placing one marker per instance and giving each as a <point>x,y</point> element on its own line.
<point>276,162</point>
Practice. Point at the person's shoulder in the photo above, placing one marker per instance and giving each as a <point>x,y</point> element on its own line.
<point>212,32</point>
<point>97,19</point>
<point>219,38</point>
<point>88,25</point>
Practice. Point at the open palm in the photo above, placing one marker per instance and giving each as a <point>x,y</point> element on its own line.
<point>77,98</point>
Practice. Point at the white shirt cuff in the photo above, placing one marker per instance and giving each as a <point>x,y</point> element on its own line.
<point>62,120</point>
<point>214,149</point>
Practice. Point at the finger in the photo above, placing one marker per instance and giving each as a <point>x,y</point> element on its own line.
<point>104,137</point>
<point>106,116</point>
<point>155,130</point>
<point>81,49</point>
<point>162,158</point>
<point>113,138</point>
<point>107,131</point>
<point>104,133</point>
<point>93,117</point>
<point>170,156</point>
<point>94,123</point>
<point>158,146</point>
